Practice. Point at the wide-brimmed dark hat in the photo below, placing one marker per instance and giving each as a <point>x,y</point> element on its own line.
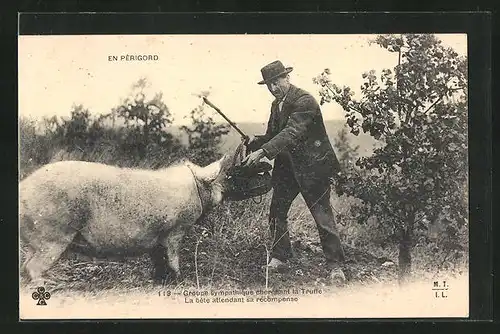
<point>272,71</point>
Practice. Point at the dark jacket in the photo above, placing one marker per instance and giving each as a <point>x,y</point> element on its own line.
<point>296,138</point>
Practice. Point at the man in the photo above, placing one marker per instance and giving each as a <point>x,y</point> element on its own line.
<point>304,162</point>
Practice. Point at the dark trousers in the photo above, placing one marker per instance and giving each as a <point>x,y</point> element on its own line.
<point>318,202</point>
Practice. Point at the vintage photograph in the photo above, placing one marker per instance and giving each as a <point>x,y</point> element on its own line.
<point>243,176</point>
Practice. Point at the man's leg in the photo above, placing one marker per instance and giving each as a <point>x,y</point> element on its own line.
<point>319,205</point>
<point>283,196</point>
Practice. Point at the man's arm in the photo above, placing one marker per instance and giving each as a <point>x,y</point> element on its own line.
<point>258,141</point>
<point>295,129</point>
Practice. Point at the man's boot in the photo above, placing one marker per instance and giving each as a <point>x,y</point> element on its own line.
<point>276,265</point>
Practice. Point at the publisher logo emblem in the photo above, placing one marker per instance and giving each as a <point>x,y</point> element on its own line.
<point>41,295</point>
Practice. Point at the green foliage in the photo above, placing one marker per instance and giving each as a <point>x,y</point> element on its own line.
<point>204,136</point>
<point>134,134</point>
<point>34,147</point>
<point>418,110</point>
<point>145,120</point>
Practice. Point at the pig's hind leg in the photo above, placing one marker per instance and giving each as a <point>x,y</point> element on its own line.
<point>47,240</point>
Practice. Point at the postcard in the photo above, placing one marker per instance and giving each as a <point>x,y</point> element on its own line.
<point>243,176</point>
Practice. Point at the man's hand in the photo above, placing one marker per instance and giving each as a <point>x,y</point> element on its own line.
<point>252,144</point>
<point>253,158</point>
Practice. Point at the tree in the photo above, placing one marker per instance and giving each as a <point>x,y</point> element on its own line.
<point>146,120</point>
<point>204,135</point>
<point>418,110</point>
<point>76,128</point>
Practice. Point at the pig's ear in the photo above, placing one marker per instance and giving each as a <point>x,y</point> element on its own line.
<point>223,165</point>
<point>209,173</point>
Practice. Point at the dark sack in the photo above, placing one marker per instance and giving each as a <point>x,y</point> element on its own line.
<point>248,182</point>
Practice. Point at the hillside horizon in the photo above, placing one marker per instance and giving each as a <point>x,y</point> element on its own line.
<point>365,142</point>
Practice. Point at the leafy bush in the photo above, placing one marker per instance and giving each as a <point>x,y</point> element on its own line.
<point>204,136</point>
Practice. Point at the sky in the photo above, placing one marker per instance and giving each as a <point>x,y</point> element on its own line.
<point>56,72</point>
